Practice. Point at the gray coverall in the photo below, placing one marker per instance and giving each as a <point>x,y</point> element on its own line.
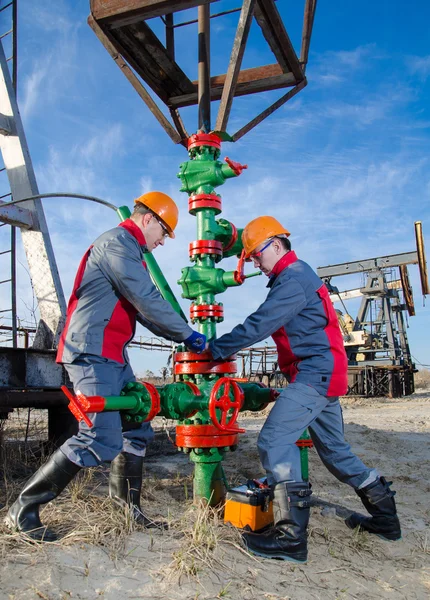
<point>300,317</point>
<point>112,290</point>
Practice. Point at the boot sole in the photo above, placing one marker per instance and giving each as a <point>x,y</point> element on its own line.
<point>32,533</point>
<point>379,535</point>
<point>277,556</point>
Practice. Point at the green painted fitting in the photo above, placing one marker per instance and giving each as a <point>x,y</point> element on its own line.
<point>203,173</point>
<point>197,281</point>
<point>304,456</point>
<point>178,401</point>
<point>155,272</point>
<point>256,396</point>
<point>224,233</point>
<point>208,484</point>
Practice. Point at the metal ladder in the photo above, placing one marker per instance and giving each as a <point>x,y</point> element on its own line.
<point>29,215</point>
<point>8,37</point>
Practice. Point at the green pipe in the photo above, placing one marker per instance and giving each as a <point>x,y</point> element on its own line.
<point>155,272</point>
<point>208,476</point>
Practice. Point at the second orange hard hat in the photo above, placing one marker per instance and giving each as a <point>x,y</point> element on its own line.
<point>163,207</point>
<point>259,230</point>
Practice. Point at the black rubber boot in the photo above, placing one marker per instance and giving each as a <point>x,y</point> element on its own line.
<point>125,486</point>
<point>378,500</point>
<point>287,540</point>
<point>45,485</point>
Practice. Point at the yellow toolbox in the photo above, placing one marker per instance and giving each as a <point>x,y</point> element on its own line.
<point>249,506</point>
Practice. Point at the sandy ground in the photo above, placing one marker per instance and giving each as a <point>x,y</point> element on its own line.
<point>206,561</point>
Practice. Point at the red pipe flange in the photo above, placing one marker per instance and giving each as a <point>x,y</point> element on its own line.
<point>193,356</point>
<point>204,139</point>
<point>225,404</point>
<point>204,436</point>
<point>205,367</point>
<point>204,201</point>
<point>155,401</point>
<point>305,443</point>
<point>205,247</point>
<point>206,311</point>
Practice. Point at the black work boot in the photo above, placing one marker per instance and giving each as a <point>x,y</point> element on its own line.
<point>378,500</point>
<point>287,540</point>
<point>45,485</point>
<point>125,486</point>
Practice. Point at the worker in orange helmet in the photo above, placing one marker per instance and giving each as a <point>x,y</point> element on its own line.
<point>112,291</point>
<point>300,317</point>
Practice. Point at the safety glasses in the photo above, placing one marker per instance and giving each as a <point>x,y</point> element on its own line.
<point>257,255</point>
<point>163,227</point>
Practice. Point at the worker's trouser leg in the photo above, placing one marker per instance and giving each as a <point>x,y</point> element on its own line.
<point>96,376</point>
<point>299,407</point>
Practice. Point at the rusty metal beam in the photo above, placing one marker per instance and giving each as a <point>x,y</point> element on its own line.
<point>422,263</point>
<point>242,89</point>
<point>176,117</point>
<point>232,75</point>
<point>166,125</point>
<point>124,12</point>
<point>266,113</point>
<point>308,23</point>
<point>274,31</point>
<point>204,68</point>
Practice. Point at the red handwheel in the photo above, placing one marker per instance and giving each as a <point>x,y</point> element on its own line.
<point>220,400</point>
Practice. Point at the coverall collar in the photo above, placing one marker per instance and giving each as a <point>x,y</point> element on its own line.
<point>132,228</point>
<point>284,262</point>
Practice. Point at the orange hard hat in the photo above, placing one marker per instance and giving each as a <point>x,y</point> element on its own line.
<point>259,230</point>
<point>163,207</point>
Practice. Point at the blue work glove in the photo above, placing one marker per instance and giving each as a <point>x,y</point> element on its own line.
<point>196,342</point>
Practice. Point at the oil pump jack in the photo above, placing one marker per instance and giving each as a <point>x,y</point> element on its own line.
<point>205,398</point>
<point>376,342</point>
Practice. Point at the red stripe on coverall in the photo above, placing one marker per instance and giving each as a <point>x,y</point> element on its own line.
<point>339,378</point>
<point>288,361</point>
<point>73,301</point>
<point>119,331</point>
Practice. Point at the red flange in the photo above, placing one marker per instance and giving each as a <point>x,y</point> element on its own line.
<point>225,404</point>
<point>204,201</point>
<point>193,356</point>
<point>305,443</point>
<point>206,310</point>
<point>204,139</point>
<point>204,436</point>
<point>202,368</point>
<point>155,401</point>
<point>205,247</point>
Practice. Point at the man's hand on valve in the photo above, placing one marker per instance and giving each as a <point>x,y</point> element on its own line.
<point>196,342</point>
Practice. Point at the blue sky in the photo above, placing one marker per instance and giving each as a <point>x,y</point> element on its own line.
<point>344,165</point>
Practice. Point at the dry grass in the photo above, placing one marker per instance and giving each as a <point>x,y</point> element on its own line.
<point>202,534</point>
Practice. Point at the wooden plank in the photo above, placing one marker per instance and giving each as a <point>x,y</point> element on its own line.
<point>308,23</point>
<point>274,31</point>
<point>247,75</point>
<point>147,55</point>
<point>242,89</point>
<point>124,12</point>
<point>134,82</point>
<point>266,113</point>
<point>236,57</point>
<point>176,117</point>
